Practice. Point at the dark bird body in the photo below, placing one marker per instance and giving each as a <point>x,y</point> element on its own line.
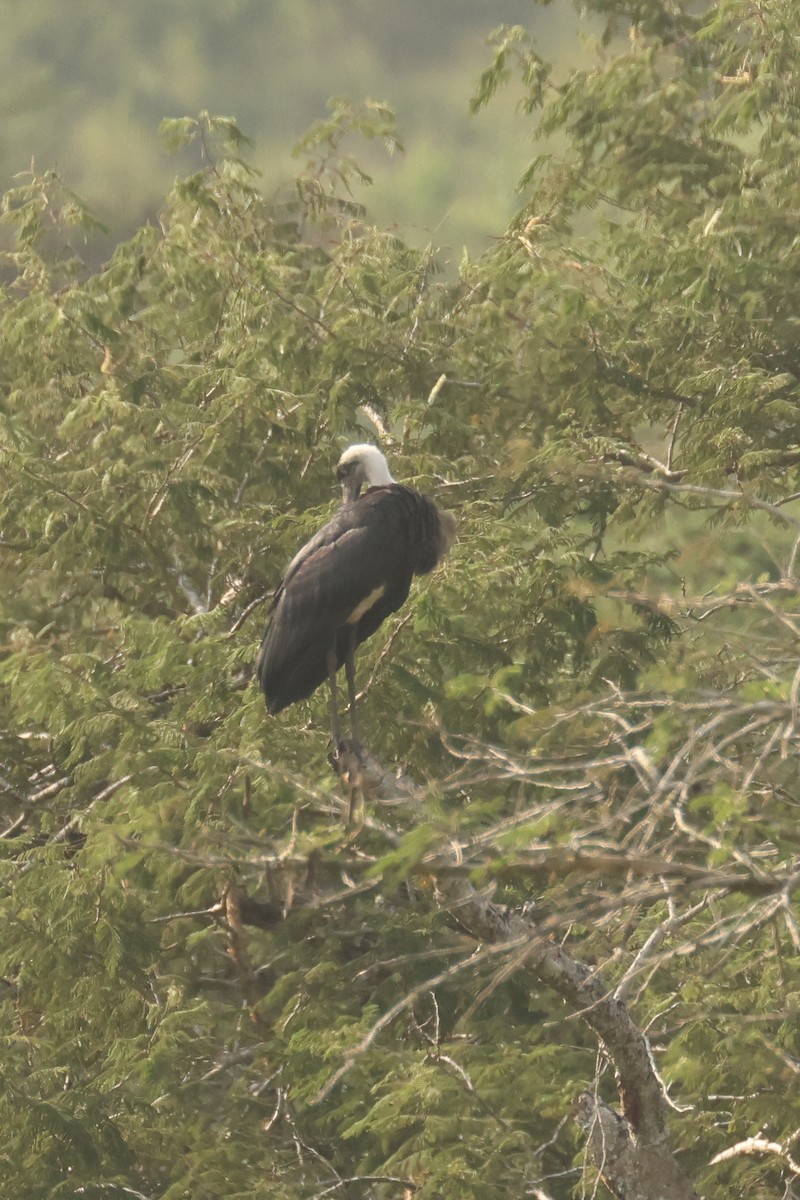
<point>346,580</point>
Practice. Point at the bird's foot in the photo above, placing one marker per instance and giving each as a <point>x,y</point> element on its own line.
<point>336,753</point>
<point>347,757</point>
<point>347,748</point>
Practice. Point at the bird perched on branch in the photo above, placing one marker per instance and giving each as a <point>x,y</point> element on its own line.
<point>347,580</point>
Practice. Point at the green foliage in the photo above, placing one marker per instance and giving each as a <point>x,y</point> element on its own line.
<point>597,693</point>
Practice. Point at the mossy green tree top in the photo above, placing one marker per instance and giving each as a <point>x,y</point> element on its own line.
<point>587,720</point>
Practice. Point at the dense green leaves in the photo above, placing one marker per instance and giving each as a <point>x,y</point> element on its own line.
<point>212,986</point>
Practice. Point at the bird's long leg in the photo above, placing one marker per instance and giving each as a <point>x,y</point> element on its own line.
<point>345,754</point>
<point>336,732</point>
<point>350,672</point>
<point>356,784</point>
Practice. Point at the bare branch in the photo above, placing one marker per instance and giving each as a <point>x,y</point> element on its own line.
<point>729,495</point>
<point>754,1146</point>
<point>631,1150</point>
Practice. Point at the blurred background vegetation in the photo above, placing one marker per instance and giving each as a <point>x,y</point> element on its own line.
<point>84,85</point>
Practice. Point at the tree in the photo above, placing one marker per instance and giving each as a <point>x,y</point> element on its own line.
<point>560,945</point>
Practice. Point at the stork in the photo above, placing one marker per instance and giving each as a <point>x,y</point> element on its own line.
<point>346,581</point>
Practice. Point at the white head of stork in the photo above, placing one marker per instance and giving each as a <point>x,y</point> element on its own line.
<point>343,583</point>
<point>361,466</point>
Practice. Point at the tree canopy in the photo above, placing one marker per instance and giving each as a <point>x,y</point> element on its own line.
<point>556,953</point>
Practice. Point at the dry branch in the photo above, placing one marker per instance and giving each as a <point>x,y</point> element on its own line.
<point>630,1151</point>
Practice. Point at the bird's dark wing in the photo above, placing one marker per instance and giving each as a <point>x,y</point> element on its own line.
<point>349,577</point>
<point>335,528</point>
